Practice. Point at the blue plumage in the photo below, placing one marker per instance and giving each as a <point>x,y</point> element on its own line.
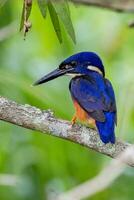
<point>84,58</point>
<point>95,95</point>
<point>106,128</point>
<point>92,93</point>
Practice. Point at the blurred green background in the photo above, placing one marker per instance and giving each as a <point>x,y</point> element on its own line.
<point>43,164</point>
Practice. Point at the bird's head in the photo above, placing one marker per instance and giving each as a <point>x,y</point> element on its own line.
<point>78,64</point>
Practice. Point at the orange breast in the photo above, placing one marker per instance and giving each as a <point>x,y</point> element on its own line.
<point>80,113</point>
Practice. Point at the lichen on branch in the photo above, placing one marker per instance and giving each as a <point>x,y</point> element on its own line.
<point>44,121</point>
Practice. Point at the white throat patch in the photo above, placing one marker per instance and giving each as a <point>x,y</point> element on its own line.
<point>73,75</point>
<point>96,69</point>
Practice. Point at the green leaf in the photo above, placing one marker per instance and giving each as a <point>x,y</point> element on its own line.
<point>28,12</point>
<point>22,19</point>
<point>43,7</point>
<point>62,9</point>
<point>55,20</point>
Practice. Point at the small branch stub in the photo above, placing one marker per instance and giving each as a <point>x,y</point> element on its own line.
<point>27,10</point>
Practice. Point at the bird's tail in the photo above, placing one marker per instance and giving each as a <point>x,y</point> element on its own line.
<point>106,129</point>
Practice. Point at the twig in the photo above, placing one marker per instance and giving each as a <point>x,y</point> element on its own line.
<point>27,5</point>
<point>101,181</point>
<point>115,5</point>
<point>42,120</point>
<point>9,179</point>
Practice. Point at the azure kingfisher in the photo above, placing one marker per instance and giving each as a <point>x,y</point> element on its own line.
<point>92,94</point>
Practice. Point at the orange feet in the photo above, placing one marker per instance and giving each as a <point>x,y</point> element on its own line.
<point>88,120</point>
<point>73,121</point>
<point>91,123</point>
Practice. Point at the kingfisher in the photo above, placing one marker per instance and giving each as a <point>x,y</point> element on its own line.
<point>92,94</point>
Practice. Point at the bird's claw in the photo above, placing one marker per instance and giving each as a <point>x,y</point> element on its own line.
<point>73,121</point>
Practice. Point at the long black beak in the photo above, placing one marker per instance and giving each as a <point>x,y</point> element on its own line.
<point>52,75</point>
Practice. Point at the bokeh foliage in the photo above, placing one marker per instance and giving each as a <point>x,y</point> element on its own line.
<point>44,164</point>
<point>58,10</point>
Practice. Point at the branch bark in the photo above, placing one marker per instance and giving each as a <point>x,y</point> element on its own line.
<point>115,5</point>
<point>44,121</point>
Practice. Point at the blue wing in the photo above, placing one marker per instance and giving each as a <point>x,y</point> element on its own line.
<point>96,96</point>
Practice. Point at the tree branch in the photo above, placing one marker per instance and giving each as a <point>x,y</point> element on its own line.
<point>43,120</point>
<point>115,5</point>
<point>100,182</point>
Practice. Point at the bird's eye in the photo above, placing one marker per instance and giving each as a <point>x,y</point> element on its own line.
<point>73,63</point>
<point>64,66</point>
<point>67,65</point>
